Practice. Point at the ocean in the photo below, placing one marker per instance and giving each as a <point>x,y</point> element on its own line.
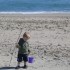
<point>34,6</point>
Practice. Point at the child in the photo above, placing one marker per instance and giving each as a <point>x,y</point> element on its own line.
<point>23,50</point>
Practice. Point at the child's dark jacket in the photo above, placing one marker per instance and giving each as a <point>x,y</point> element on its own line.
<point>23,47</point>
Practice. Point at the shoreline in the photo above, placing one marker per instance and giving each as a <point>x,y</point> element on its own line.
<point>31,14</point>
<point>37,12</point>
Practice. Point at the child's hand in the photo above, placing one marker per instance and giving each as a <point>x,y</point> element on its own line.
<point>28,52</point>
<point>17,46</point>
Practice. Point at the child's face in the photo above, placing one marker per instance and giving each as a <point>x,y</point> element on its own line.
<point>25,38</point>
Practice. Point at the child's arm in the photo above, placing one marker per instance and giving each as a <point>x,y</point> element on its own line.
<point>28,49</point>
<point>17,44</point>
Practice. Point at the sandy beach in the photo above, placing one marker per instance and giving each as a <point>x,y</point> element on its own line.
<point>49,43</point>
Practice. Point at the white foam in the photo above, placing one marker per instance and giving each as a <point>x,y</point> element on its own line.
<point>22,12</point>
<point>37,12</point>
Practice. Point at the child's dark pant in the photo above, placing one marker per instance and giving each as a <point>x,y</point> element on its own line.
<point>22,57</point>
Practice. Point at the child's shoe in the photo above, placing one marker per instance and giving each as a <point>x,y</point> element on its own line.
<point>25,66</point>
<point>17,67</point>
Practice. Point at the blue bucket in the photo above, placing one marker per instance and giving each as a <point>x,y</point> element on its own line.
<point>30,59</point>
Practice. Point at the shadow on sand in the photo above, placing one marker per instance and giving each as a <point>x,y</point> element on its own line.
<point>6,68</point>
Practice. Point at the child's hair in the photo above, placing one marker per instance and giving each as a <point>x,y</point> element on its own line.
<point>26,34</point>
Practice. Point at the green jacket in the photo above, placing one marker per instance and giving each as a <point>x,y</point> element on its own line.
<point>23,47</point>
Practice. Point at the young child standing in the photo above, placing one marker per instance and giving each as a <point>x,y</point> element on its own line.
<point>23,50</point>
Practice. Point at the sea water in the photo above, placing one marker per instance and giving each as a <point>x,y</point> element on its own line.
<point>34,6</point>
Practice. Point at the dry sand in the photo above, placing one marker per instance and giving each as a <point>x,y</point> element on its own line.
<point>49,43</point>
